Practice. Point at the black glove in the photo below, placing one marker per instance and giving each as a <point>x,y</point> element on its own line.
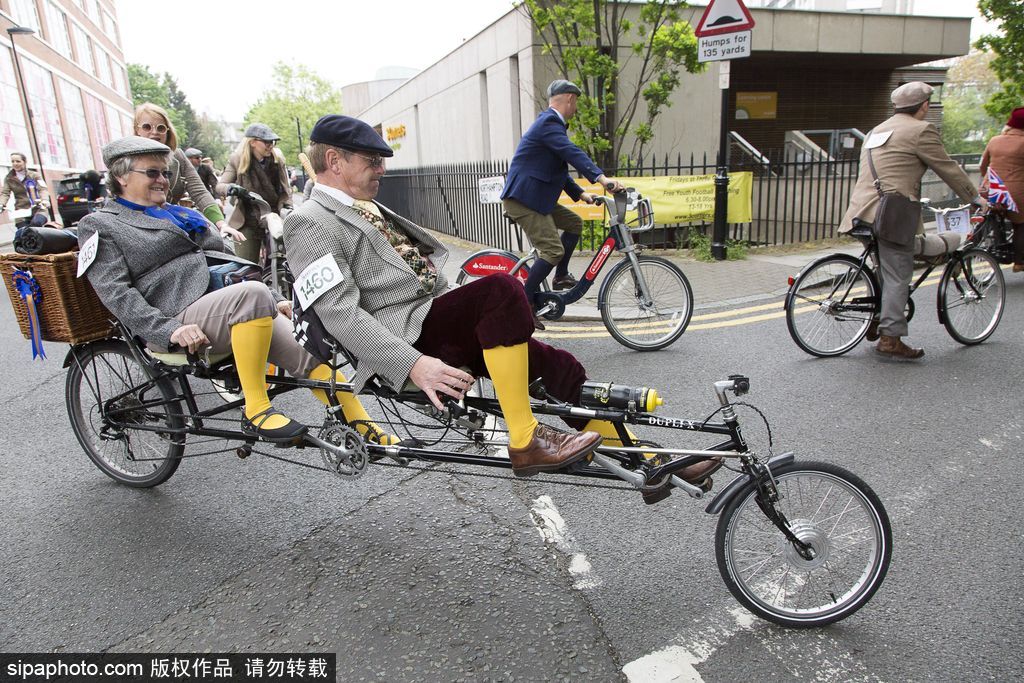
<point>237,191</point>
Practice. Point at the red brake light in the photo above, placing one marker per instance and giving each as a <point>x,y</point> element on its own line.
<point>791,280</point>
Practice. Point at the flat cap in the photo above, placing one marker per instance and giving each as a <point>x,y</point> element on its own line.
<point>910,94</point>
<point>346,132</point>
<point>562,86</point>
<point>260,131</point>
<point>193,152</point>
<point>132,146</point>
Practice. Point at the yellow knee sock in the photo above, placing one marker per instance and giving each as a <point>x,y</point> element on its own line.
<point>508,367</point>
<point>353,408</point>
<point>610,436</point>
<point>250,344</point>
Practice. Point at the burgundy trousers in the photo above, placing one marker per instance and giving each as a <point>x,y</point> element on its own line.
<point>489,312</point>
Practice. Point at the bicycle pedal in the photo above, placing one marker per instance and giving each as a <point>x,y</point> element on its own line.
<point>656,495</point>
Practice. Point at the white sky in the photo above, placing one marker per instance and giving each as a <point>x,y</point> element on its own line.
<point>221,51</point>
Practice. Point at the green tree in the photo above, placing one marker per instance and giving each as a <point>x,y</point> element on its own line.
<point>163,90</point>
<point>296,93</point>
<point>1008,46</point>
<point>625,57</point>
<point>970,83</point>
<point>208,138</point>
<point>181,111</point>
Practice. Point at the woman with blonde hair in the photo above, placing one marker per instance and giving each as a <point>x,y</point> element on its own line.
<point>257,166</point>
<point>153,122</point>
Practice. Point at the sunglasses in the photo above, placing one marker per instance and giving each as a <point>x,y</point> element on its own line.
<point>153,173</point>
<point>374,162</point>
<point>149,127</point>
<point>269,143</point>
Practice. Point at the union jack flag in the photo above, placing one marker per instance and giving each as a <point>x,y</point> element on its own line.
<point>997,192</point>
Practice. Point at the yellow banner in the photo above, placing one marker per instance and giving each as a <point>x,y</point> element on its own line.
<point>588,212</point>
<point>683,199</point>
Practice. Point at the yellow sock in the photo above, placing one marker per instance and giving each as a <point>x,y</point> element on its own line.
<point>353,408</point>
<point>508,367</point>
<point>610,436</point>
<point>250,344</point>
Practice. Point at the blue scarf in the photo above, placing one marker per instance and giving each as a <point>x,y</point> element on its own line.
<point>189,220</point>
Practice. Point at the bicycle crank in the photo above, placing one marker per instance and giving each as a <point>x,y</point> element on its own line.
<point>343,450</point>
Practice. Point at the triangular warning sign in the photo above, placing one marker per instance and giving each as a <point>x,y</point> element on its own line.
<point>724,16</point>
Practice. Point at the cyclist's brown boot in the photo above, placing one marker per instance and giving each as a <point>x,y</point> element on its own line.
<point>872,334</point>
<point>550,450</point>
<point>895,348</point>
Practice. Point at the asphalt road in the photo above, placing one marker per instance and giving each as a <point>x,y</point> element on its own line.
<point>412,575</point>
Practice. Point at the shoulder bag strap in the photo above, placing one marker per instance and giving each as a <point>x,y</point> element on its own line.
<point>871,165</point>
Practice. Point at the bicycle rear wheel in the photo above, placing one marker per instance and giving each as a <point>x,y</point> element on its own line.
<point>830,305</point>
<point>638,323</point>
<point>972,294</point>
<point>107,377</point>
<point>834,512</point>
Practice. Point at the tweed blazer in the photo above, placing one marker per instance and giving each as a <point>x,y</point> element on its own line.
<point>147,270</point>
<point>1005,154</point>
<point>377,310</point>
<point>539,170</point>
<point>912,148</point>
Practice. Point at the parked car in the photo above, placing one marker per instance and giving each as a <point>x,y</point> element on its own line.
<point>78,195</point>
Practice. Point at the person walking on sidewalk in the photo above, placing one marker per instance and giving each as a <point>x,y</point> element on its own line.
<point>538,174</point>
<point>1005,155</point>
<point>901,148</point>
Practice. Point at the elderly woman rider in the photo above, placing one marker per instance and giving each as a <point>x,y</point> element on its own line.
<point>153,122</point>
<point>150,270</point>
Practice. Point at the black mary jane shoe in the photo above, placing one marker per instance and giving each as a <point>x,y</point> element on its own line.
<point>284,434</point>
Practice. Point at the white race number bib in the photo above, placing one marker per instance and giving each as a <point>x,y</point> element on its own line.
<point>88,253</point>
<point>318,277</point>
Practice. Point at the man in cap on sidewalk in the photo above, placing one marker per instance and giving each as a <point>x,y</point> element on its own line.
<point>901,148</point>
<point>538,174</point>
<point>206,174</point>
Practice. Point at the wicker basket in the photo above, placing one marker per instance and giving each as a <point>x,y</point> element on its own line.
<point>69,310</point>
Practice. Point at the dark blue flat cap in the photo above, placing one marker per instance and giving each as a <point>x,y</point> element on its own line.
<point>346,132</point>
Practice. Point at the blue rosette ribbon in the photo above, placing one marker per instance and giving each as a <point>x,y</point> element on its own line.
<point>29,291</point>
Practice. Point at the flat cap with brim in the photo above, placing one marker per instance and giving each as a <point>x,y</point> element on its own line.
<point>261,131</point>
<point>131,146</point>
<point>193,152</point>
<point>910,94</point>
<point>562,86</point>
<point>346,132</point>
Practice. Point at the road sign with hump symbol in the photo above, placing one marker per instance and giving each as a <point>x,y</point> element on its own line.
<point>724,16</point>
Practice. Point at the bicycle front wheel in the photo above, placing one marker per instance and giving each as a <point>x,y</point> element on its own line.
<point>830,305</point>
<point>107,392</point>
<point>826,507</point>
<point>641,322</point>
<point>972,294</point>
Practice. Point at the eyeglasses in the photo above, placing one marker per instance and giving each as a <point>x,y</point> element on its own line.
<point>148,127</point>
<point>153,173</point>
<point>269,143</point>
<point>374,162</point>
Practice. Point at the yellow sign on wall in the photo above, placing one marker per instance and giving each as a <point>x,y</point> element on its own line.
<point>683,199</point>
<point>756,105</point>
<point>588,212</point>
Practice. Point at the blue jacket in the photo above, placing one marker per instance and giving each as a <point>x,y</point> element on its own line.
<point>539,170</point>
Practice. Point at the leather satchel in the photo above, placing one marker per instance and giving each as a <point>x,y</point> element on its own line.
<point>897,217</point>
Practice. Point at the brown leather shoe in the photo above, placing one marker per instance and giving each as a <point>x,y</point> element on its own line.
<point>699,471</point>
<point>537,324</point>
<point>1018,267</point>
<point>551,450</point>
<point>567,281</point>
<point>872,334</point>
<point>895,348</point>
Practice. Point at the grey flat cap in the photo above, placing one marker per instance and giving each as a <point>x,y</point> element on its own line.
<point>562,86</point>
<point>910,94</point>
<point>261,131</point>
<point>193,152</point>
<point>132,145</point>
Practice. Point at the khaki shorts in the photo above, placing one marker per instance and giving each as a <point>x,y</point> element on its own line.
<point>217,311</point>
<point>543,229</point>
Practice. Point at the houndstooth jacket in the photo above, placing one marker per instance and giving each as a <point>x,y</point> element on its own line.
<point>377,310</point>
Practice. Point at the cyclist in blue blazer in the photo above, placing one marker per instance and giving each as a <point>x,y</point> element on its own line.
<point>538,174</point>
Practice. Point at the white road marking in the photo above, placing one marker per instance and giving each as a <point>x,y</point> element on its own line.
<point>552,528</point>
<point>986,442</point>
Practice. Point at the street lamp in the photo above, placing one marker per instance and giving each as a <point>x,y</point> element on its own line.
<point>25,31</point>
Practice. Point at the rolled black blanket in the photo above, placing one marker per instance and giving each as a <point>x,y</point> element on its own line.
<point>45,241</point>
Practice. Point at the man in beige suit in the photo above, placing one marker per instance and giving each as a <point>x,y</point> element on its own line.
<point>902,148</point>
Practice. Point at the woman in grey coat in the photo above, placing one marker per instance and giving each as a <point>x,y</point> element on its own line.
<point>150,269</point>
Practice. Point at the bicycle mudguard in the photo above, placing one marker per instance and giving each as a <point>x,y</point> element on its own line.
<point>491,261</point>
<point>734,486</point>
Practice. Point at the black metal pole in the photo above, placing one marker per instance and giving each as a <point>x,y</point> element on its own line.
<point>720,229</point>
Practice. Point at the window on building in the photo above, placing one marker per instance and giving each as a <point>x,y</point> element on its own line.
<point>96,115</point>
<point>45,115</point>
<point>92,8</point>
<point>57,29</point>
<point>25,13</point>
<point>13,131</point>
<point>103,61</point>
<point>114,123</point>
<point>109,27</point>
<point>83,48</point>
<point>118,74</point>
<point>79,151</point>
